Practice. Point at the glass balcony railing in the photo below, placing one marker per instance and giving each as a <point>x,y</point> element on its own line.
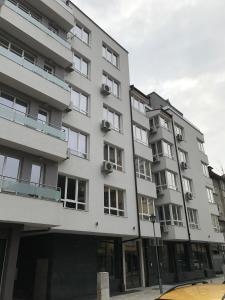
<point>36,21</point>
<point>28,189</point>
<point>29,121</point>
<point>33,68</point>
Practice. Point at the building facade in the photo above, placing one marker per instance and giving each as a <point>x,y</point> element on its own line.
<point>81,166</point>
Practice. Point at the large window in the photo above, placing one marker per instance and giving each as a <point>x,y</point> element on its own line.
<point>73,192</point>
<point>143,168</point>
<point>210,195</point>
<point>77,142</point>
<point>110,55</point>
<point>81,65</point>
<point>167,149</point>
<point>81,33</point>
<point>79,101</point>
<point>171,180</point>
<point>114,201</point>
<point>163,122</point>
<point>9,167</point>
<point>215,223</point>
<point>113,117</point>
<point>170,214</point>
<point>193,218</point>
<point>112,83</point>
<point>200,256</point>
<point>182,156</point>
<point>13,102</point>
<point>201,146</point>
<point>146,207</point>
<point>114,155</point>
<point>187,185</point>
<point>205,169</point>
<point>178,130</point>
<point>138,105</point>
<point>140,134</point>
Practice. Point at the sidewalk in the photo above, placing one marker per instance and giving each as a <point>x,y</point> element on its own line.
<point>152,293</point>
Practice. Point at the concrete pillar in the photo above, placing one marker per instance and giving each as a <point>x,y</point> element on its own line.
<point>103,286</point>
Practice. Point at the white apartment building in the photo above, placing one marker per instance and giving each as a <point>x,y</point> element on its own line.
<point>79,155</point>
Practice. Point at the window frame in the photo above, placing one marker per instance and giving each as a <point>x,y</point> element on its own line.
<point>119,212</point>
<point>201,146</point>
<point>108,110</point>
<point>140,104</point>
<point>116,166</point>
<point>210,195</point>
<point>81,60</point>
<point>80,154</point>
<point>205,169</point>
<point>113,54</point>
<point>150,202</point>
<point>83,29</point>
<point>193,218</point>
<point>80,94</point>
<point>76,201</point>
<point>139,174</point>
<point>187,185</point>
<point>171,209</point>
<point>142,129</point>
<point>108,78</point>
<point>215,223</point>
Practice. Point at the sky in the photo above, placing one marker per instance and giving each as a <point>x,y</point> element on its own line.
<point>177,49</point>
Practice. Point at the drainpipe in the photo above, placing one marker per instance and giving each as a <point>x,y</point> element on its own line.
<point>135,177</point>
<point>181,181</point>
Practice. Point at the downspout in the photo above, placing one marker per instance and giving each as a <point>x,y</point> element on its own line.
<point>181,181</point>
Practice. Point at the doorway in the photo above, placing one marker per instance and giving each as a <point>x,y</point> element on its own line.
<point>132,263</point>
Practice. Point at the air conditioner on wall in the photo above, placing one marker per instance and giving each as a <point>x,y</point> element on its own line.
<point>107,167</point>
<point>183,165</point>
<point>105,126</point>
<point>188,196</point>
<point>105,89</point>
<point>179,137</point>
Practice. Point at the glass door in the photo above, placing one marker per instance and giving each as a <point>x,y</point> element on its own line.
<point>36,177</point>
<point>132,262</point>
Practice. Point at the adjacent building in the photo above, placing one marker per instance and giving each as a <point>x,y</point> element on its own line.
<point>86,160</point>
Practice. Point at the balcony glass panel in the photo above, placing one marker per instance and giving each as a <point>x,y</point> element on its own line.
<point>26,120</point>
<point>28,189</point>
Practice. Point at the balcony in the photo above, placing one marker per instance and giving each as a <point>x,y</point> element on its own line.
<point>146,187</point>
<point>33,80</point>
<point>25,133</point>
<point>24,202</point>
<point>21,23</point>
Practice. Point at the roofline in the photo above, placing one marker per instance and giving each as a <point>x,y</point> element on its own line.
<point>132,87</point>
<point>215,175</point>
<point>98,26</point>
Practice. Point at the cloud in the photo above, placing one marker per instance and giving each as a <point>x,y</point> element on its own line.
<point>176,48</point>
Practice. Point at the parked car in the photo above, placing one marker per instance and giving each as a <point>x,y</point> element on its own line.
<point>195,291</point>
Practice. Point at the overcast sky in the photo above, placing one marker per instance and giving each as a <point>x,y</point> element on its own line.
<point>176,48</point>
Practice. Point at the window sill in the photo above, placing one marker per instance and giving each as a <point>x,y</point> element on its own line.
<point>84,76</point>
<point>80,112</point>
<point>85,158</point>
<point>124,217</point>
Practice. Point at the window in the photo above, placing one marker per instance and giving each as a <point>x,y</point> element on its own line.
<point>215,223</point>
<point>113,201</point>
<point>178,130</point>
<point>13,102</point>
<point>81,65</point>
<point>79,101</point>
<point>210,195</point>
<point>73,192</point>
<point>167,149</point>
<point>110,55</point>
<point>9,167</point>
<point>201,146</point>
<point>138,105</point>
<point>77,142</point>
<point>49,68</point>
<point>146,207</point>
<point>140,134</point>
<point>171,180</point>
<point>143,168</point>
<point>17,50</point>
<point>113,117</point>
<point>36,176</point>
<point>182,156</point>
<point>205,169</point>
<point>81,33</point>
<point>160,180</point>
<point>187,185</point>
<point>163,122</point>
<point>193,218</point>
<point>170,214</point>
<point>112,83</point>
<point>114,155</point>
<point>43,116</point>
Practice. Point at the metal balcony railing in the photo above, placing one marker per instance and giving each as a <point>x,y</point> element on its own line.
<point>28,189</point>
<point>35,20</point>
<point>31,122</point>
<point>33,68</point>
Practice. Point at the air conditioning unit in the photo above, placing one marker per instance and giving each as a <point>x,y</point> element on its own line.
<point>69,108</point>
<point>105,90</point>
<point>183,165</point>
<point>179,137</point>
<point>165,228</point>
<point>188,196</point>
<point>106,126</point>
<point>159,192</point>
<point>156,159</point>
<point>107,167</point>
<point>153,130</point>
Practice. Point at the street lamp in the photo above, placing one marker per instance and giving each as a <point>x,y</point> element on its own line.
<point>153,219</point>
